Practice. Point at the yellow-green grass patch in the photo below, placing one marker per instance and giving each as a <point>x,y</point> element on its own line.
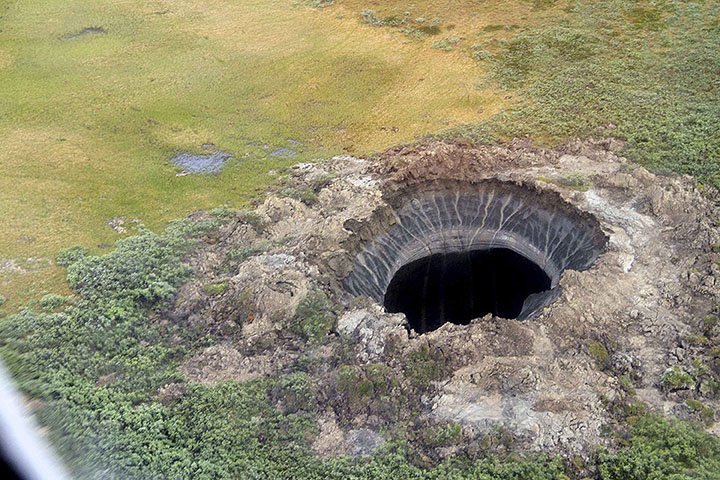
<point>97,97</point>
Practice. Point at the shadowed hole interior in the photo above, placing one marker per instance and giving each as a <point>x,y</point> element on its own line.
<point>457,287</point>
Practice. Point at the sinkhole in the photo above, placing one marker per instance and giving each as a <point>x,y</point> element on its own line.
<point>457,287</point>
<point>454,251</point>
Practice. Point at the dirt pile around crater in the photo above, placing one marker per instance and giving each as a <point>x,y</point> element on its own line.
<point>270,287</point>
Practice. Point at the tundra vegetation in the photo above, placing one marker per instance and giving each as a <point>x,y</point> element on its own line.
<point>99,100</point>
<point>95,364</point>
<point>96,98</point>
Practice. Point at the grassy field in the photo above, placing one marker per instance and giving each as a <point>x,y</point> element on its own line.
<point>96,98</point>
<point>646,72</point>
<point>90,120</point>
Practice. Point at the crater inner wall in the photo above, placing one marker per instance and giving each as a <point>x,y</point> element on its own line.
<point>448,217</point>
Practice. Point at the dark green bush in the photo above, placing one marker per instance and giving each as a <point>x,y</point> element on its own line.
<point>659,449</point>
<point>677,379</point>
<point>95,361</point>
<point>144,268</point>
<point>314,317</point>
<point>70,255</point>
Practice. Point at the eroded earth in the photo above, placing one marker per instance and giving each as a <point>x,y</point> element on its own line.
<point>636,290</point>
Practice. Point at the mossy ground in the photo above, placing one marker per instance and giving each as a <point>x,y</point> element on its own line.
<point>97,98</point>
<point>90,121</point>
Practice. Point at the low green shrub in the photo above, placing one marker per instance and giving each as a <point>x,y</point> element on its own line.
<point>216,288</point>
<point>660,449</point>
<point>314,317</point>
<point>542,4</point>
<point>371,18</point>
<point>442,435</point>
<point>304,195</point>
<point>676,378</point>
<point>705,412</point>
<point>576,182</point>
<point>53,301</point>
<point>599,353</point>
<point>446,44</point>
<point>479,53</point>
<point>424,366</point>
<point>236,256</point>
<point>70,255</point>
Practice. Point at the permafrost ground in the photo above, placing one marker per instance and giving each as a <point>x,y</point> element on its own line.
<point>632,259</point>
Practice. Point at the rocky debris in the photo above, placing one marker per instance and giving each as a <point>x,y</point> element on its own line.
<point>220,363</point>
<point>11,266</point>
<point>332,441</point>
<point>171,393</point>
<point>625,363</point>
<point>123,225</point>
<point>363,442</point>
<point>23,265</point>
<point>117,224</point>
<point>371,332</point>
<point>611,334</point>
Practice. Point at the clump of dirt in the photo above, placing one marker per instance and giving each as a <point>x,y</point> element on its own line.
<point>638,327</point>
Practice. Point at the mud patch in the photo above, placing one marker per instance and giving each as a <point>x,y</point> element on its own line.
<point>87,31</point>
<point>201,164</point>
<point>283,153</point>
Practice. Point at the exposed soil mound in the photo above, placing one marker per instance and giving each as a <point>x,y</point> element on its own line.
<point>630,260</point>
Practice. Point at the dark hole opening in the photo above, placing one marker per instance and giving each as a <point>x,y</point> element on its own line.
<point>458,287</point>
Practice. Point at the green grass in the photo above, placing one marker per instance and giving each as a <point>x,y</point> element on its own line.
<point>639,71</point>
<point>89,122</point>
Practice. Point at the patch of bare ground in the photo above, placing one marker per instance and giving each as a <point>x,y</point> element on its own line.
<point>609,338</point>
